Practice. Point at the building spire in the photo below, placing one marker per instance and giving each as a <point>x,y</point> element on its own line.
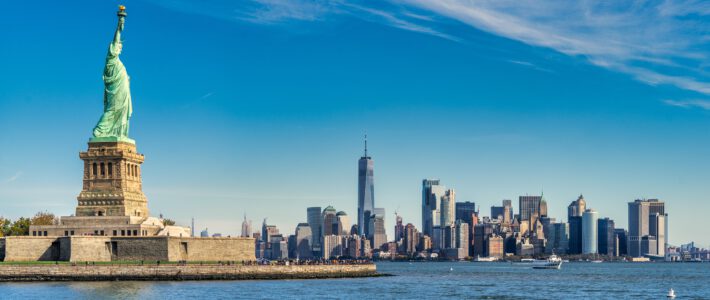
<point>366,144</point>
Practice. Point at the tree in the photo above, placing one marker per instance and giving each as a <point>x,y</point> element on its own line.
<point>168,222</point>
<point>4,226</point>
<point>43,218</point>
<point>20,227</point>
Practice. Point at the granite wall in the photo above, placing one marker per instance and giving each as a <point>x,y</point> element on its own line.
<point>211,249</point>
<point>139,248</point>
<point>104,249</point>
<point>85,248</point>
<point>31,248</point>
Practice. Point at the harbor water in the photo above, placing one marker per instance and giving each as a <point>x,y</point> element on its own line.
<point>415,280</point>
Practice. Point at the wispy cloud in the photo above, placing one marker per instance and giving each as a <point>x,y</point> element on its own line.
<point>205,96</point>
<point>197,101</point>
<point>398,20</point>
<point>275,12</point>
<point>529,65</point>
<point>694,103</point>
<point>661,42</point>
<point>13,178</point>
<point>652,41</point>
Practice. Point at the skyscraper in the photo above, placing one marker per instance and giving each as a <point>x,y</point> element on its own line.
<point>656,227</point>
<point>462,236</point>
<point>640,212</point>
<point>448,208</point>
<point>431,204</point>
<point>315,220</point>
<point>465,211</point>
<point>365,189</point>
<point>343,223</point>
<point>575,235</point>
<point>509,205</point>
<point>246,227</point>
<point>398,228</point>
<point>589,231</point>
<point>411,239</point>
<point>494,247</point>
<point>481,233</point>
<point>292,243</point>
<point>557,239</point>
<point>577,207</point>
<point>505,212</point>
<point>638,226</point>
<point>543,207</point>
<point>377,223</point>
<point>330,221</point>
<point>267,231</point>
<point>332,246</point>
<point>303,239</point>
<point>498,212</point>
<point>354,248</point>
<point>547,227</point>
<point>380,212</point>
<point>621,238</point>
<point>607,238</point>
<point>529,206</point>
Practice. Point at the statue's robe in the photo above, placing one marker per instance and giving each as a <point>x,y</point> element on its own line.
<point>117,97</point>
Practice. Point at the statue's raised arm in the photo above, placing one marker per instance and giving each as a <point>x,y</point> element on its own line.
<point>117,36</point>
<point>118,108</point>
<point>116,45</point>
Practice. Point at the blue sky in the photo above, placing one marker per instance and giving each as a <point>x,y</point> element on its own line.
<point>260,106</point>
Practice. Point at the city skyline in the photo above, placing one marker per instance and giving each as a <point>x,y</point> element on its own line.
<point>253,146</point>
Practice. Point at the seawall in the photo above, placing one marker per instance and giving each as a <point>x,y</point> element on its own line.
<point>66,272</point>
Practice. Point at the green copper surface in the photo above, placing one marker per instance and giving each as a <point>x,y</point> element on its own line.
<point>117,95</point>
<point>111,139</point>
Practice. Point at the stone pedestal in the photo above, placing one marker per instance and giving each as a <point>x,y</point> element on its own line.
<point>112,181</point>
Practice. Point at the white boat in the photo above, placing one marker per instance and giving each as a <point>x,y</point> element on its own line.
<point>523,262</point>
<point>671,294</point>
<point>486,259</point>
<point>552,262</point>
<point>598,261</point>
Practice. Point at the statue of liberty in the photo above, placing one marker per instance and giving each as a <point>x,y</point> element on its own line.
<point>113,125</point>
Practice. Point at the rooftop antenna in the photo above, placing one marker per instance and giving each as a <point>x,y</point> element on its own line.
<point>365,143</point>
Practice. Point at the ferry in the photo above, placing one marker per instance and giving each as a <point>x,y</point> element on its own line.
<point>486,259</point>
<point>552,262</point>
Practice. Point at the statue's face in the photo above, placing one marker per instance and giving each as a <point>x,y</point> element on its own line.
<point>120,48</point>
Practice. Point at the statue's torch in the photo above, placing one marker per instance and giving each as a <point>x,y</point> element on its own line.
<point>121,11</point>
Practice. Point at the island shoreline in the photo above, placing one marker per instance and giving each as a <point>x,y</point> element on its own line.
<point>38,273</point>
